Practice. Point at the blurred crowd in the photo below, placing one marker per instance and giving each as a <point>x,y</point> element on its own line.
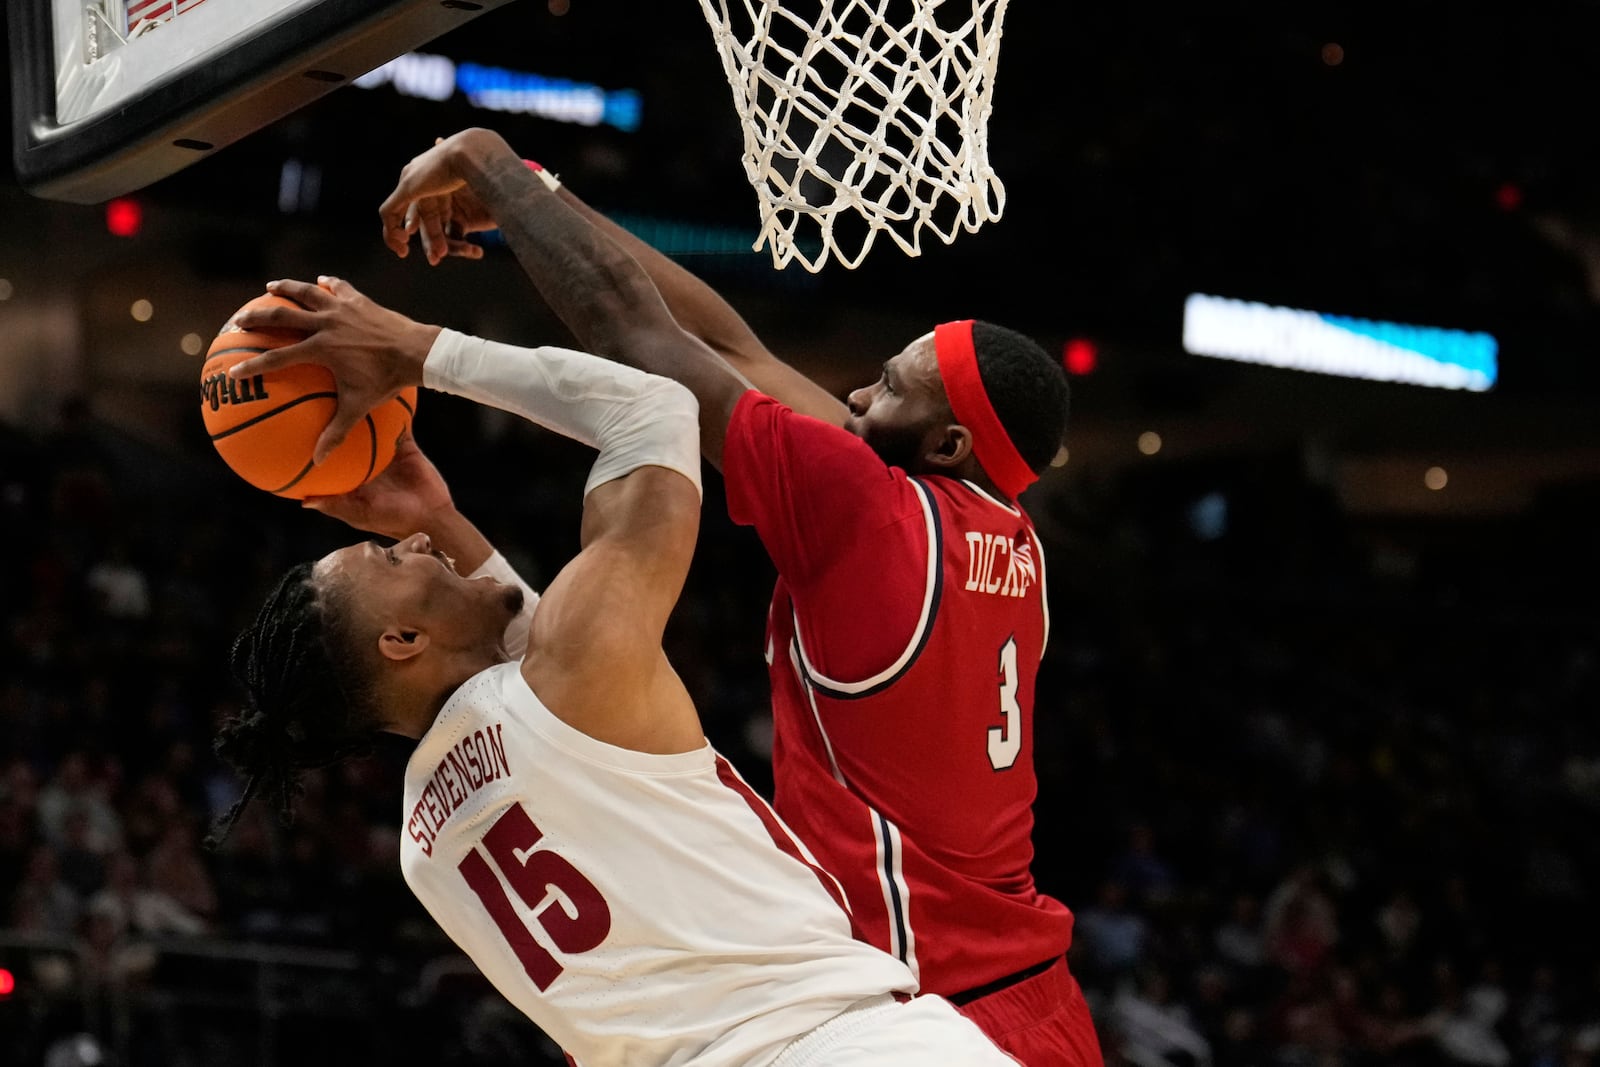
<point>1322,791</point>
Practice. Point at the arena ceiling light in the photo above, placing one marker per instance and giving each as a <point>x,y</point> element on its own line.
<point>515,92</point>
<point>1273,336</point>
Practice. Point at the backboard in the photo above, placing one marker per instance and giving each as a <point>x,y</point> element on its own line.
<point>111,95</point>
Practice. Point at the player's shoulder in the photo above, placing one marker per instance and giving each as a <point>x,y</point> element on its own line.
<point>965,499</point>
<point>758,416</point>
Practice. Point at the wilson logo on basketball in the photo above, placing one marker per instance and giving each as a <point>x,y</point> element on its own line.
<point>219,389</point>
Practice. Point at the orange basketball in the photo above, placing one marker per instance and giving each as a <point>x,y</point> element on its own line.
<point>265,426</point>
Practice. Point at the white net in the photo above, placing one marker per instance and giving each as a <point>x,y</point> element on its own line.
<point>863,117</point>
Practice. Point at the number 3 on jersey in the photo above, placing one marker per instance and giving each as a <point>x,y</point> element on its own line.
<point>565,904</point>
<point>1005,740</point>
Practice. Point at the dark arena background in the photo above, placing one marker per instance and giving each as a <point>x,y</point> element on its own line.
<point>1317,739</point>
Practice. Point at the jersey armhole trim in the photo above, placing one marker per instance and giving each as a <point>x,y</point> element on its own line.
<point>1044,589</point>
<point>932,593</point>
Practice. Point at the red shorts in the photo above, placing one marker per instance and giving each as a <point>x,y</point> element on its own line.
<point>1042,1021</point>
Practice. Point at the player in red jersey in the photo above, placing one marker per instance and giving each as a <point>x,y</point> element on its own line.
<point>910,615</point>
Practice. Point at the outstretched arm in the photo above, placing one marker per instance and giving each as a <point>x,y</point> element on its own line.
<point>594,652</point>
<point>703,312</point>
<point>443,219</point>
<point>603,295</point>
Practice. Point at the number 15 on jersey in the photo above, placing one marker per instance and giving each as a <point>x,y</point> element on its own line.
<point>541,878</point>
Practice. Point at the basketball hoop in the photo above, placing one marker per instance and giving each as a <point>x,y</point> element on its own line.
<point>111,95</point>
<point>110,23</point>
<point>863,117</point>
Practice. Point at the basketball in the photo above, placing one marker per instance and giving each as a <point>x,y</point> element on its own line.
<point>265,427</point>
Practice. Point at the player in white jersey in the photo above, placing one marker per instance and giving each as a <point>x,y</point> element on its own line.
<point>564,820</point>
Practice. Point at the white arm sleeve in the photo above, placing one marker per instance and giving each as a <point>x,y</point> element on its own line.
<point>500,569</point>
<point>635,419</point>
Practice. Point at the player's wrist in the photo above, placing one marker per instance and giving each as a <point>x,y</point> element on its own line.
<point>540,171</point>
<point>441,522</point>
<point>477,154</point>
<point>411,350</point>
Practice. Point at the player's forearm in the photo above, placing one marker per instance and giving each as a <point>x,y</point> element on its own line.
<point>696,306</point>
<point>589,281</point>
<point>704,314</point>
<point>631,417</point>
<point>596,288</point>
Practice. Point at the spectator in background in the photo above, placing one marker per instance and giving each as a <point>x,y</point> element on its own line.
<point>1239,940</point>
<point>1539,1017</point>
<point>153,807</point>
<point>1465,1026</point>
<point>74,788</point>
<point>43,903</point>
<point>18,824</point>
<point>1301,925</point>
<point>1150,1030</point>
<point>108,956</point>
<point>142,909</point>
<point>1110,937</point>
<point>1145,874</point>
<point>1398,923</point>
<point>120,588</point>
<point>82,863</point>
<point>177,871</point>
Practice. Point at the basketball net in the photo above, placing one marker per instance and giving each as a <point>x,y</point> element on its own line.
<point>863,117</point>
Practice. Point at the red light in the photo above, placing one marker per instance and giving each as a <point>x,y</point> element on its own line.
<point>1508,196</point>
<point>8,983</point>
<point>1080,356</point>
<point>124,217</point>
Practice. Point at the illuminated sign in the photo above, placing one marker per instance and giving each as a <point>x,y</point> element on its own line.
<point>1337,344</point>
<point>515,92</point>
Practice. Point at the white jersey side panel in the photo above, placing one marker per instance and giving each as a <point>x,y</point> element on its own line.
<point>642,910</point>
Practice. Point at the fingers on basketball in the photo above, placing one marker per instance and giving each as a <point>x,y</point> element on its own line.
<point>267,418</point>
<point>278,317</point>
<point>345,418</point>
<point>269,361</point>
<point>311,296</point>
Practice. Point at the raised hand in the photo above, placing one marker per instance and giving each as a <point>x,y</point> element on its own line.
<point>435,201</point>
<point>372,351</point>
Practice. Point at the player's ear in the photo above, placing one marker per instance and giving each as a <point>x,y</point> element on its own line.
<point>400,643</point>
<point>950,446</point>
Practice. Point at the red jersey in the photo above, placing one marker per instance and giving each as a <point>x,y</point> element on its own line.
<point>903,642</point>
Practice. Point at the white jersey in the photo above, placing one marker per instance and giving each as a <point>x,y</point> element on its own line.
<point>641,909</point>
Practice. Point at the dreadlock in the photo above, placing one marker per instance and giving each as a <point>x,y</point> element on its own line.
<point>305,705</point>
<point>1027,389</point>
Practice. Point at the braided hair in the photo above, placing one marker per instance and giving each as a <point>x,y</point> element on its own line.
<point>307,702</point>
<point>1027,389</point>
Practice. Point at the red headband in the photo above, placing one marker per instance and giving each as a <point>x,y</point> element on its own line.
<point>969,402</point>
